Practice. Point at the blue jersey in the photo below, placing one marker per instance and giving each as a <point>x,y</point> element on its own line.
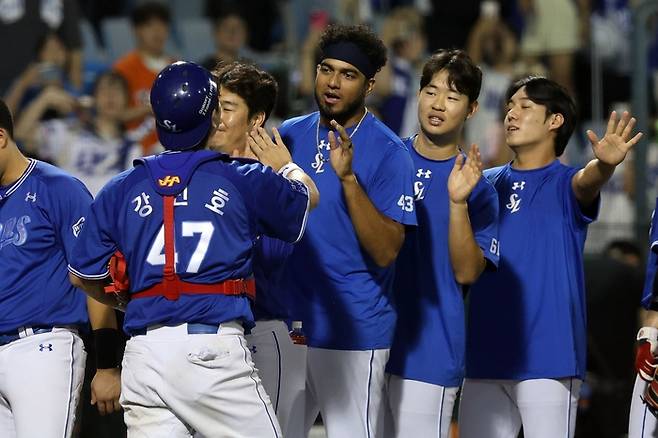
<point>40,216</point>
<point>331,283</point>
<point>270,257</point>
<point>652,265</point>
<point>430,335</point>
<point>225,206</point>
<point>527,320</point>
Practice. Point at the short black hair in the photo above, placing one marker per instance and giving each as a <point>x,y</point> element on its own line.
<point>114,78</point>
<point>555,98</point>
<point>463,74</point>
<point>6,120</point>
<point>257,87</point>
<point>148,11</point>
<point>361,35</point>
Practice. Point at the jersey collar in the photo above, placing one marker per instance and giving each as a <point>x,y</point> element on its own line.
<point>5,192</point>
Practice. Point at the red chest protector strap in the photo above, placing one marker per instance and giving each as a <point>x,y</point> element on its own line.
<point>171,284</point>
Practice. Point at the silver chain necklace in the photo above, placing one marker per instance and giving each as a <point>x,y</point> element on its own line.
<point>319,157</point>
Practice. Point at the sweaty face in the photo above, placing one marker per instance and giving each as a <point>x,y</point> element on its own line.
<point>442,110</point>
<point>340,89</point>
<point>234,123</point>
<point>526,123</point>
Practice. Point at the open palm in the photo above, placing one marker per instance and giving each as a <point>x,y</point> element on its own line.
<point>615,144</point>
<point>464,175</point>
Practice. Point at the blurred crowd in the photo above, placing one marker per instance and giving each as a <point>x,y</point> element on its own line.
<point>81,70</point>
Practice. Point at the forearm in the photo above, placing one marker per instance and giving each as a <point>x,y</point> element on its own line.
<point>466,256</point>
<point>650,319</point>
<point>588,181</point>
<point>75,68</point>
<point>100,315</point>
<point>95,289</point>
<point>27,123</point>
<point>380,236</point>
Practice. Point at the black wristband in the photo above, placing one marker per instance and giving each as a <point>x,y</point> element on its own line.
<point>107,342</point>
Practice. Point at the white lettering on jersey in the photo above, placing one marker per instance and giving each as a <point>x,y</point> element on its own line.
<point>142,210</point>
<point>518,185</point>
<point>181,199</point>
<point>318,164</point>
<point>514,203</point>
<point>419,190</point>
<point>495,247</point>
<point>406,203</point>
<point>10,237</point>
<point>77,227</point>
<point>218,201</point>
<point>31,197</point>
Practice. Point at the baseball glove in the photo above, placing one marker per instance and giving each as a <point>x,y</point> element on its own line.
<point>645,359</point>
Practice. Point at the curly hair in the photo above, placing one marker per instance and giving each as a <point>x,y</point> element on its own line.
<point>361,35</point>
<point>257,87</point>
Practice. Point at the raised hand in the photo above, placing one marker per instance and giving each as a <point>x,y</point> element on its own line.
<point>271,153</point>
<point>464,175</point>
<point>341,152</point>
<point>615,144</point>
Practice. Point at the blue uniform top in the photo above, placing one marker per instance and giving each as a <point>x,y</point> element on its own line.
<point>527,320</point>
<point>40,216</point>
<point>225,206</point>
<point>652,265</point>
<point>270,257</point>
<point>430,335</point>
<point>331,283</point>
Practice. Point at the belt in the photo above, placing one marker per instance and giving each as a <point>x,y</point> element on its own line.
<point>22,332</point>
<point>192,329</point>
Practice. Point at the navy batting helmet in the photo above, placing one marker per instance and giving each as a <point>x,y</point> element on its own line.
<point>183,98</point>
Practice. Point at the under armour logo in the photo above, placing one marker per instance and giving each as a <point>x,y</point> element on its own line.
<point>514,203</point>
<point>31,197</point>
<point>324,145</point>
<point>423,173</point>
<point>44,347</point>
<point>518,185</point>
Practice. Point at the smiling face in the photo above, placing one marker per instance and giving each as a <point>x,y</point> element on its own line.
<point>340,90</point>
<point>527,123</point>
<point>234,123</point>
<point>442,110</point>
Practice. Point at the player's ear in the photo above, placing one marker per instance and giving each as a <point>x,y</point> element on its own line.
<point>257,120</point>
<point>555,121</point>
<point>370,85</point>
<point>472,109</point>
<point>4,138</point>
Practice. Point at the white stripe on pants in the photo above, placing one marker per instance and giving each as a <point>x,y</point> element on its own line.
<point>641,422</point>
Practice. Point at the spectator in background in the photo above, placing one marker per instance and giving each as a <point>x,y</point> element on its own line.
<point>91,145</point>
<point>140,67</point>
<point>449,23</point>
<point>262,17</point>
<point>396,90</point>
<point>493,47</point>
<point>49,69</point>
<point>555,29</point>
<point>230,34</point>
<point>24,24</point>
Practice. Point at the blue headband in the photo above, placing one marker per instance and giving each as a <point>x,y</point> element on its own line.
<point>351,53</point>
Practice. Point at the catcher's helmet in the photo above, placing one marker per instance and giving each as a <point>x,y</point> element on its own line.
<point>183,98</point>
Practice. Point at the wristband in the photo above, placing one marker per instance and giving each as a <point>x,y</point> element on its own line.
<point>287,168</point>
<point>107,341</point>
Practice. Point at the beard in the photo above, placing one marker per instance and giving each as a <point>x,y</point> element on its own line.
<point>352,109</point>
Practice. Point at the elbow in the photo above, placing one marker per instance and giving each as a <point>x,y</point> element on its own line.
<point>76,281</point>
<point>466,278</point>
<point>314,197</point>
<point>386,258</point>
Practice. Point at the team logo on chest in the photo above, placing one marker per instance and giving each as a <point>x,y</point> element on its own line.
<point>319,160</point>
<point>514,204</point>
<point>419,186</point>
<point>14,231</point>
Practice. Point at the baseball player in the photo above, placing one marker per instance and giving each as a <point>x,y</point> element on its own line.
<point>525,349</point>
<point>642,420</point>
<point>186,221</point>
<point>42,210</point>
<point>339,276</point>
<point>455,239</point>
<point>247,96</point>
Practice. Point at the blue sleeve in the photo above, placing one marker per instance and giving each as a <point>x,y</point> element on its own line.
<point>392,189</point>
<point>652,262</point>
<point>581,217</point>
<point>68,210</point>
<point>281,205</point>
<point>483,213</point>
<point>95,244</point>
